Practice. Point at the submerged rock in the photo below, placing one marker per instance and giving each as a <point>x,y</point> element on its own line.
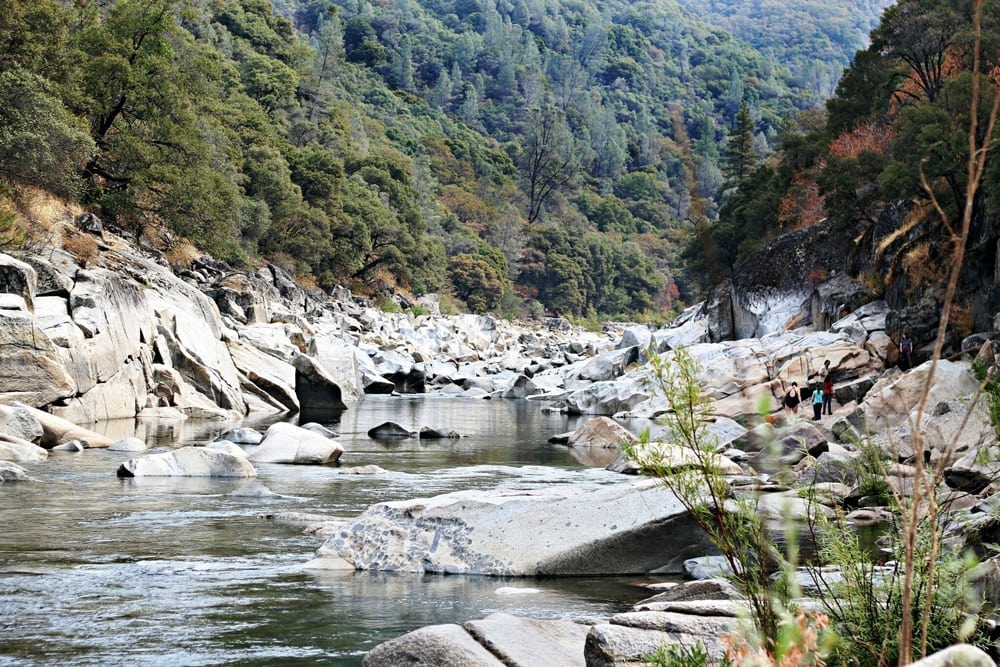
<point>11,472</point>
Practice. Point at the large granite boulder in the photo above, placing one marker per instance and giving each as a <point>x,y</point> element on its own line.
<point>498,639</point>
<point>316,389</point>
<point>18,450</point>
<point>606,398</point>
<point>287,443</point>
<point>31,367</point>
<point>629,638</point>
<point>438,645</point>
<point>188,462</point>
<point>266,374</point>
<point>57,431</point>
<point>564,530</point>
<point>17,277</point>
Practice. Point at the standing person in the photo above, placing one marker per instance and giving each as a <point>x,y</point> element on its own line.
<point>817,402</point>
<point>905,351</point>
<point>824,372</point>
<point>792,399</point>
<point>827,394</point>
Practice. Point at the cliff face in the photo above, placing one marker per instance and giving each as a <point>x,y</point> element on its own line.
<point>819,274</point>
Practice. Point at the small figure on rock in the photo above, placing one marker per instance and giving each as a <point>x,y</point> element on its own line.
<point>792,399</point>
<point>827,394</point>
<point>905,352</point>
<point>817,402</point>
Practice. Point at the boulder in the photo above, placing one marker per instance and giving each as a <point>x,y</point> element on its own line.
<point>316,389</point>
<point>272,376</point>
<point>18,450</point>
<point>17,277</point>
<point>526,642</point>
<point>521,387</point>
<point>11,472</point>
<point>432,433</point>
<point>390,431</point>
<point>890,402</point>
<point>188,462</point>
<point>561,530</point>
<point>287,443</point>
<point>21,424</point>
<point>56,430</point>
<point>128,445</point>
<point>606,398</point>
<point>959,655</point>
<point>31,366</point>
<point>120,396</point>
<point>437,645</point>
<point>601,432</point>
<point>657,454</point>
<point>228,447</point>
<point>244,436</point>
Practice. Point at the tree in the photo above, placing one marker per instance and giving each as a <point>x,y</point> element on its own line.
<point>740,157</point>
<point>476,281</point>
<point>41,142</point>
<point>547,161</point>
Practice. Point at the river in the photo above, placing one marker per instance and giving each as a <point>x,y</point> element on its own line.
<point>96,570</point>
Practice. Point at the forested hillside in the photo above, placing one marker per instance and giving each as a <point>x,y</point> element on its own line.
<point>529,156</point>
<point>887,165</point>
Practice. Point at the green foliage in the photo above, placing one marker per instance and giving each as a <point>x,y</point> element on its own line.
<point>864,601</point>
<point>41,143</point>
<point>732,522</point>
<point>375,140</point>
<point>679,655</point>
<point>476,282</point>
<point>991,388</point>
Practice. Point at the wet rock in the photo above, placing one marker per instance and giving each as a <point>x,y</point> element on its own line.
<point>17,450</point>
<point>601,432</point>
<point>255,489</point>
<point>228,447</point>
<point>11,472</point>
<point>389,431</point>
<point>432,433</point>
<point>188,462</point>
<point>72,447</point>
<point>287,443</point>
<point>243,436</point>
<point>319,429</point>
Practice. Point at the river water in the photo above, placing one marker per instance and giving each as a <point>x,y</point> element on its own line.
<point>96,570</point>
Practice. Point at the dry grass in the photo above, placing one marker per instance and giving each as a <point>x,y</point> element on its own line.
<point>81,245</point>
<point>182,254</point>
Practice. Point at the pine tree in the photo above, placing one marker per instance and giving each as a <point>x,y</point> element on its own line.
<point>740,156</point>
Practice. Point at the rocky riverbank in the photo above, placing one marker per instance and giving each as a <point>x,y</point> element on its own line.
<point>125,336</point>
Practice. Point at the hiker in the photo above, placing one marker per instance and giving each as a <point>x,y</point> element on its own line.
<point>827,394</point>
<point>905,352</point>
<point>817,402</point>
<point>792,399</point>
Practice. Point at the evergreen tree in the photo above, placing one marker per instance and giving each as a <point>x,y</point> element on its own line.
<point>740,157</point>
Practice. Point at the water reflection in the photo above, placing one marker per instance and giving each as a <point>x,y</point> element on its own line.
<point>96,570</point>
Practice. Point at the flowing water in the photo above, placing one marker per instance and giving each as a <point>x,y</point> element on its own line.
<point>96,570</point>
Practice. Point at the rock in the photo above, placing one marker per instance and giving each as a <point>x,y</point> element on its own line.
<point>120,396</point>
<point>707,567</point>
<point>672,457</point>
<point>90,223</point>
<point>21,424</point>
<point>959,655</point>
<point>243,436</point>
<point>606,398</point>
<point>315,388</point>
<point>839,466</point>
<point>228,447</point>
<point>15,449</point>
<point>431,433</point>
<point>888,404</point>
<point>369,469</point>
<point>31,367</point>
<point>636,336</point>
<point>390,430</point>
<point>255,489</point>
<point>57,430</point>
<point>437,645</point>
<point>521,387</point>
<point>270,375</point>
<point>319,429</point>
<point>562,530</point>
<point>601,432</point>
<point>20,278</point>
<point>128,445</point>
<point>527,642</point>
<point>73,446</point>
<point>287,443</point>
<point>11,472</point>
<point>188,462</point>
<point>700,589</point>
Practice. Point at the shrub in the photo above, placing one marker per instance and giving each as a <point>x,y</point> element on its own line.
<point>82,246</point>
